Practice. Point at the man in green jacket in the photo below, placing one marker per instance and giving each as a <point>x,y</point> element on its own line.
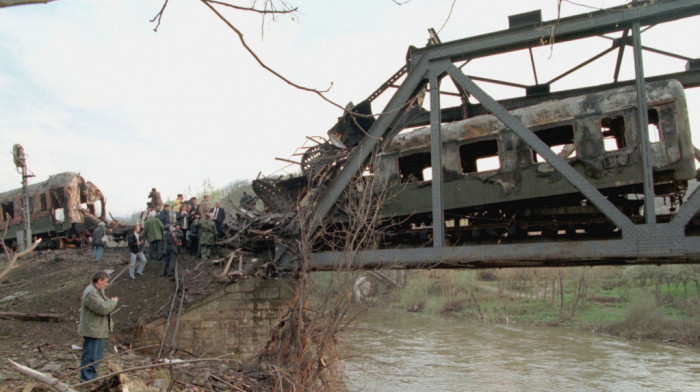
<point>153,230</point>
<point>207,235</point>
<point>94,324</point>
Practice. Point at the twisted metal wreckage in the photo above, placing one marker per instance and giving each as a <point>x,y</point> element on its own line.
<point>552,178</point>
<point>548,179</point>
<point>63,210</point>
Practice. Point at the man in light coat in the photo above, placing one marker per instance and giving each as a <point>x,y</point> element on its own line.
<point>94,326</point>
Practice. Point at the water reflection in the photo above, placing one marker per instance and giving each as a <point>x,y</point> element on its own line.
<point>415,352</point>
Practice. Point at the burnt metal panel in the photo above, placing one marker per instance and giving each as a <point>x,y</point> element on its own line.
<point>605,206</point>
<point>688,79</point>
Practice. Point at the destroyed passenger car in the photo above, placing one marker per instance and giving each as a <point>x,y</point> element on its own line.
<point>63,209</point>
<point>492,178</point>
<point>494,183</point>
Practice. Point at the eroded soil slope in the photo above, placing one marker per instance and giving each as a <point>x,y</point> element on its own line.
<point>53,281</point>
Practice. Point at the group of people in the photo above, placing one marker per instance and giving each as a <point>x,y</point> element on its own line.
<point>194,226</point>
<point>189,226</point>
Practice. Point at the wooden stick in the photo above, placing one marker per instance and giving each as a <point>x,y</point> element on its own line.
<point>157,365</point>
<point>43,378</point>
<point>49,317</point>
<point>287,160</point>
<point>228,263</point>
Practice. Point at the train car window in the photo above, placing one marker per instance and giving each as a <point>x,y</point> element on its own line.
<point>479,156</point>
<point>8,210</point>
<point>559,139</point>
<point>42,202</point>
<point>59,214</point>
<point>58,202</point>
<point>613,130</point>
<point>654,133</point>
<point>411,167</point>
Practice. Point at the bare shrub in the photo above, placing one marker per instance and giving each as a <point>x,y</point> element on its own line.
<point>644,318</point>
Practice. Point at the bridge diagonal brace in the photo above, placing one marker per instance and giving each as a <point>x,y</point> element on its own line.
<point>687,210</point>
<point>375,135</point>
<point>588,190</point>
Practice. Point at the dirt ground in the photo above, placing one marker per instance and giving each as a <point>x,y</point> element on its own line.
<point>53,281</point>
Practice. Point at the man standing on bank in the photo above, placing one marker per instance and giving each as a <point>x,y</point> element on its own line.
<point>219,216</point>
<point>207,235</point>
<point>135,250</point>
<point>97,235</point>
<point>95,324</point>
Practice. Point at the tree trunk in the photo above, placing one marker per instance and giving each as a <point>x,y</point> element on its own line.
<point>561,290</point>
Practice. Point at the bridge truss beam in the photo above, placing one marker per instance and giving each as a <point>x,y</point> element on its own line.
<point>650,242</point>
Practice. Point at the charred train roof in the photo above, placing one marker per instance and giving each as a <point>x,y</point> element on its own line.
<point>541,114</point>
<point>55,181</point>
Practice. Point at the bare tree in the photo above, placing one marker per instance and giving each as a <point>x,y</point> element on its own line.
<point>303,349</point>
<point>12,257</point>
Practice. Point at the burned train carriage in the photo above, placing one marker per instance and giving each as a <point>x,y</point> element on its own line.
<point>494,182</point>
<point>63,209</point>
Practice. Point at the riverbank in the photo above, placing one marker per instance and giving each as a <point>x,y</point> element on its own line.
<point>640,303</point>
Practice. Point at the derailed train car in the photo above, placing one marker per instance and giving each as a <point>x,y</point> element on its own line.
<point>495,183</point>
<point>63,209</point>
<point>495,186</point>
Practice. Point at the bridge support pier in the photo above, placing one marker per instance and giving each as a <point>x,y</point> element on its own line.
<point>236,320</point>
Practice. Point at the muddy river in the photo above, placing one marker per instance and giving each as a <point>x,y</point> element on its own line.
<point>414,352</point>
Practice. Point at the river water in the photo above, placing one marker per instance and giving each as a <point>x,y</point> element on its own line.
<point>410,352</point>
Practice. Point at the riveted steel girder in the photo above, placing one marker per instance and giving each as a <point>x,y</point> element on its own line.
<point>648,243</point>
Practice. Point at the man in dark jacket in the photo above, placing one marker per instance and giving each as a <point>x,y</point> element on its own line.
<point>170,241</point>
<point>219,216</point>
<point>94,325</point>
<point>193,235</point>
<point>97,235</point>
<point>156,200</point>
<point>135,249</point>
<point>164,215</point>
<point>247,201</point>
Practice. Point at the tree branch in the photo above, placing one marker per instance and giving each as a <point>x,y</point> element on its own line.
<point>263,12</point>
<point>10,3</point>
<point>43,378</point>
<point>320,93</point>
<point>11,256</point>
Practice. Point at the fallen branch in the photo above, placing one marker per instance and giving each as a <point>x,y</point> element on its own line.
<point>47,317</point>
<point>157,365</point>
<point>42,378</point>
<point>228,263</point>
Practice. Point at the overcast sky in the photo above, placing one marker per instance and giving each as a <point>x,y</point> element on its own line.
<point>88,86</point>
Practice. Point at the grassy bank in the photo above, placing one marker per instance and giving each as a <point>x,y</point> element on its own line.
<point>647,302</point>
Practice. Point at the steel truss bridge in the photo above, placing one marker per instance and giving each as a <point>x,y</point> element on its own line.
<point>648,242</point>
